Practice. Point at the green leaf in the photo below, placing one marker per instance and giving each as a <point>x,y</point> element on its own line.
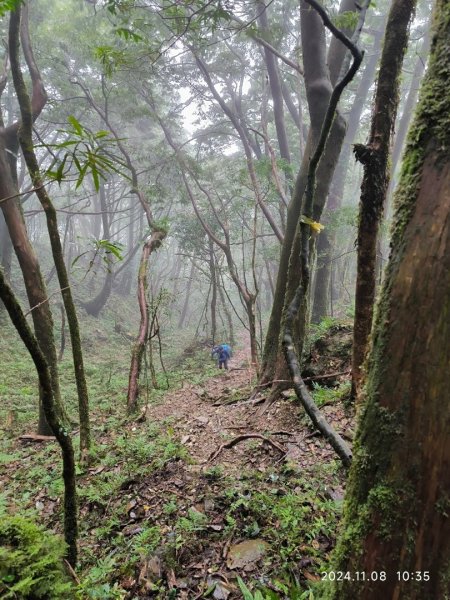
<point>75,124</point>
<point>246,593</point>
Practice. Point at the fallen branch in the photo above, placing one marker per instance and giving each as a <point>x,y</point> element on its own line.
<point>71,571</point>
<point>327,376</point>
<point>263,385</point>
<point>35,437</point>
<point>241,438</point>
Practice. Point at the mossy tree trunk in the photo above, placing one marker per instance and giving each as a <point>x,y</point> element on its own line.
<point>152,243</point>
<point>375,158</point>
<point>397,505</point>
<point>49,406</point>
<point>26,143</point>
<point>321,73</point>
<point>34,283</point>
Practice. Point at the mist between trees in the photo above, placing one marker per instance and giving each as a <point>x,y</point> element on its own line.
<point>177,175</point>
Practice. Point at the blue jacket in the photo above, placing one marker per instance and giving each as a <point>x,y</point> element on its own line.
<point>222,352</point>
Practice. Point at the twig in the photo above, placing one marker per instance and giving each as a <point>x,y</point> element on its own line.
<point>71,571</point>
<point>262,385</point>
<point>46,300</point>
<point>30,191</point>
<point>241,438</point>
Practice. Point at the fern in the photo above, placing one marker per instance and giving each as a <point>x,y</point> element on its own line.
<point>31,562</point>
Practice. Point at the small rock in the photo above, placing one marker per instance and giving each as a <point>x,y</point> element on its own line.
<point>221,589</point>
<point>209,504</point>
<point>250,551</point>
<point>202,420</point>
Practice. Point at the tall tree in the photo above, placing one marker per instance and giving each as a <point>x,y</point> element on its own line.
<point>396,512</point>
<point>26,143</point>
<point>26,256</point>
<point>319,80</point>
<point>375,158</point>
<point>56,426</point>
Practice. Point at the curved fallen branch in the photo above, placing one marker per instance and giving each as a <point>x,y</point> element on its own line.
<point>241,438</point>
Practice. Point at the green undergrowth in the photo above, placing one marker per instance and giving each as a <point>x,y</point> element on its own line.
<point>326,395</point>
<point>107,361</point>
<point>143,501</point>
<point>31,562</point>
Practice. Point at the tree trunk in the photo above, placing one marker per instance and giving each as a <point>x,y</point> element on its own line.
<point>227,312</point>
<point>408,109</point>
<point>26,143</point>
<point>319,89</point>
<point>152,243</point>
<point>375,158</point>
<point>212,272</point>
<point>5,248</point>
<point>51,414</point>
<point>396,514</point>
<point>325,243</point>
<point>188,297</point>
<point>276,92</point>
<point>34,283</point>
<point>96,305</point>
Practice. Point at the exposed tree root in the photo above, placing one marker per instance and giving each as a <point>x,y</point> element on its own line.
<point>241,438</point>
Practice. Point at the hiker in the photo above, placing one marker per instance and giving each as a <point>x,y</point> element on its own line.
<point>222,353</point>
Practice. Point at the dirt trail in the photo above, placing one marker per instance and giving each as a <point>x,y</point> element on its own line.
<point>205,417</point>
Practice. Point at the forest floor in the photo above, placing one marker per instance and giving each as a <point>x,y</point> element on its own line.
<point>168,511</point>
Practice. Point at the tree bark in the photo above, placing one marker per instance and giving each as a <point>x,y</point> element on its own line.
<point>5,247</point>
<point>276,93</point>
<point>408,110</point>
<point>212,272</point>
<point>318,87</point>
<point>325,242</point>
<point>396,512</point>
<point>26,143</point>
<point>187,298</point>
<point>152,243</point>
<point>375,158</point>
<point>34,283</point>
<point>51,414</point>
<point>96,305</point>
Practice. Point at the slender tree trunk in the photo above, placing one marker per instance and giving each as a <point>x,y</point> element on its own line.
<point>187,298</point>
<point>212,272</point>
<point>5,248</point>
<point>52,418</point>
<point>375,158</point>
<point>34,283</point>
<point>152,243</point>
<point>396,511</point>
<point>96,305</point>
<point>227,312</point>
<point>276,92</point>
<point>26,143</point>
<point>125,284</point>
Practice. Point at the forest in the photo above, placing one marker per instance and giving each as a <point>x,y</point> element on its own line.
<point>225,299</point>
